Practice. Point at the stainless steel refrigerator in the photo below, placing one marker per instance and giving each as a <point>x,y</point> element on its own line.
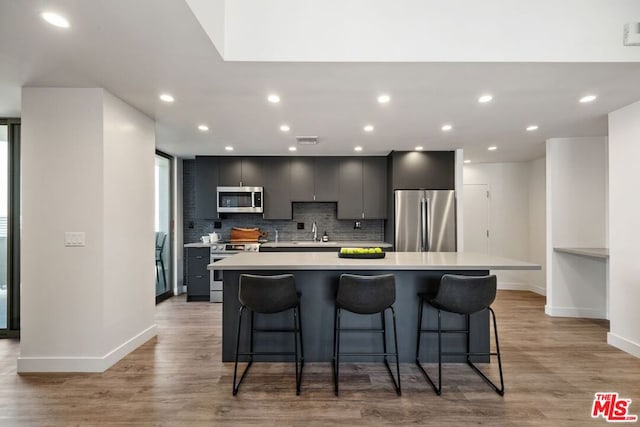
<point>425,221</point>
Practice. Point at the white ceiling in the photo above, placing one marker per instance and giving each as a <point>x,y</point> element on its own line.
<point>137,49</point>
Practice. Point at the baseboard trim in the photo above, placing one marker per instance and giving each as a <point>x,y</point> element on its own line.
<point>623,344</point>
<point>515,286</point>
<point>85,364</point>
<point>585,313</point>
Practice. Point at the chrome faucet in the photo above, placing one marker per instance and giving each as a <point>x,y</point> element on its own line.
<point>314,230</point>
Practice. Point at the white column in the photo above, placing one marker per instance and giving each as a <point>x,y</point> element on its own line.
<point>87,167</point>
<point>624,229</point>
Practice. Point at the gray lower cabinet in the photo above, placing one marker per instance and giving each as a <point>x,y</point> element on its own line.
<point>206,183</point>
<point>197,275</point>
<point>276,174</point>
<point>362,190</point>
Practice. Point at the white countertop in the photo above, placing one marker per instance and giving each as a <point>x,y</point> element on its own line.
<point>590,252</point>
<point>331,243</point>
<point>197,245</point>
<point>392,261</point>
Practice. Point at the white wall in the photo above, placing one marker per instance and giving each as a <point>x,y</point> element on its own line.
<point>624,229</point>
<point>508,214</point>
<point>423,30</point>
<point>129,277</point>
<point>576,217</point>
<point>84,155</point>
<point>538,224</point>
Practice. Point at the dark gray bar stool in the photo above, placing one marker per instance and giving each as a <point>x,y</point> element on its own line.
<point>463,295</point>
<point>365,295</point>
<point>268,295</point>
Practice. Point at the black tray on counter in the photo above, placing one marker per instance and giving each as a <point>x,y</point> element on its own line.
<point>362,256</point>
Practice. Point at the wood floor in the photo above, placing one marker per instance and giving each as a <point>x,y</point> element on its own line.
<point>552,366</point>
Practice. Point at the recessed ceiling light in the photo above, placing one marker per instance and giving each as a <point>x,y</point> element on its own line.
<point>228,148</point>
<point>467,161</point>
<point>485,98</point>
<point>532,128</point>
<point>166,97</point>
<point>383,99</point>
<point>292,148</point>
<point>419,148</point>
<point>285,128</point>
<point>273,98</point>
<point>55,19</point>
<point>203,128</point>
<point>358,148</point>
<point>492,148</point>
<point>368,128</point>
<point>588,98</point>
<point>446,128</point>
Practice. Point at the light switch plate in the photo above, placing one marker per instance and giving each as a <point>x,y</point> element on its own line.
<point>74,238</point>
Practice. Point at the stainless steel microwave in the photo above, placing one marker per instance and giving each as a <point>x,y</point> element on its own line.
<point>240,200</point>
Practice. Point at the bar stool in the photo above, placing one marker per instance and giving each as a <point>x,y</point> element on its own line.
<point>464,295</point>
<point>268,295</point>
<point>365,295</point>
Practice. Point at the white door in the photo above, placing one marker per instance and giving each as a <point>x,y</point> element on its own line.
<point>476,218</point>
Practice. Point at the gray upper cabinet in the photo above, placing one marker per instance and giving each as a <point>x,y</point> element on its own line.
<point>240,171</point>
<point>302,179</point>
<point>229,171</point>
<point>374,187</point>
<point>431,170</point>
<point>327,178</point>
<point>362,189</point>
<point>276,177</point>
<point>206,183</point>
<point>350,189</point>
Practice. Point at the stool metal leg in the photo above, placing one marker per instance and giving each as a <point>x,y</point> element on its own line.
<point>236,387</point>
<point>500,390</point>
<point>437,389</point>
<point>301,342</point>
<point>295,351</point>
<point>336,354</point>
<point>384,336</point>
<point>395,337</point>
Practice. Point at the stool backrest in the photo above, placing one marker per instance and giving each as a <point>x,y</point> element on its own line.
<point>366,294</point>
<point>466,294</point>
<point>268,294</point>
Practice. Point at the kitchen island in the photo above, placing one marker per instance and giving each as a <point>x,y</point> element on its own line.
<point>317,275</point>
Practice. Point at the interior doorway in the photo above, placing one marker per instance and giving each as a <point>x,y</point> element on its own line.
<point>476,218</point>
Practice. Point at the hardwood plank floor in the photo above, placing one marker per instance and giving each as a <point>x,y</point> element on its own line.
<point>552,367</point>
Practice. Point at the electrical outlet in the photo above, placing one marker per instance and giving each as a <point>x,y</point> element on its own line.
<point>357,225</point>
<point>74,238</point>
<point>301,226</point>
<point>217,225</point>
<point>191,225</point>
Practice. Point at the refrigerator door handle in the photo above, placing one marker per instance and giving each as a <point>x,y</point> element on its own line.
<point>423,225</point>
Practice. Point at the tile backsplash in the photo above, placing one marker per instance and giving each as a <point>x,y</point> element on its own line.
<point>324,214</point>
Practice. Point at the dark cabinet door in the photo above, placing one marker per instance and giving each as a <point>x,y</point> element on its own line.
<point>374,187</point>
<point>198,277</point>
<point>277,188</point>
<point>251,175</point>
<point>229,171</point>
<point>432,170</point>
<point>206,183</point>
<point>350,189</point>
<point>302,179</point>
<point>327,179</point>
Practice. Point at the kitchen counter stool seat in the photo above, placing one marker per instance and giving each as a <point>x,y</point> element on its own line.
<point>365,295</point>
<point>464,295</point>
<point>268,295</point>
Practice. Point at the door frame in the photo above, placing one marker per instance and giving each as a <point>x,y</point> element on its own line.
<point>13,228</point>
<point>169,293</point>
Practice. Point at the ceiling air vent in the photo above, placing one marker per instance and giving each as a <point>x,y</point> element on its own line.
<point>307,140</point>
